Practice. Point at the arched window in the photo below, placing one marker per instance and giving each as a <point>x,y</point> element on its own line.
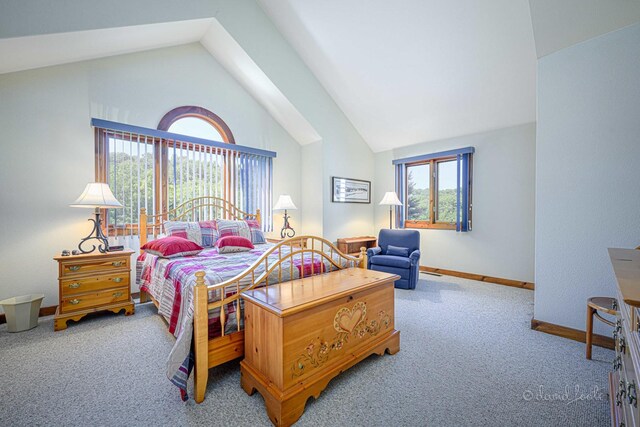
<point>198,122</point>
<point>161,170</point>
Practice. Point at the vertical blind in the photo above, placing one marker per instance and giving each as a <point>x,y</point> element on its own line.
<point>160,170</point>
<point>464,168</point>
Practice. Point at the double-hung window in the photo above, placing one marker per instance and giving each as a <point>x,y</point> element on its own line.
<point>435,190</point>
<point>159,170</point>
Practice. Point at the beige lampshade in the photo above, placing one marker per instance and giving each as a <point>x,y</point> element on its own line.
<point>390,198</point>
<point>96,195</point>
<point>284,202</point>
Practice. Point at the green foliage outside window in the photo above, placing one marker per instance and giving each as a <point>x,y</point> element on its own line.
<point>418,200</point>
<point>191,180</point>
<point>123,181</point>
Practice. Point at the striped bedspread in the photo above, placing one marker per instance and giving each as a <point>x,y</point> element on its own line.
<point>170,282</point>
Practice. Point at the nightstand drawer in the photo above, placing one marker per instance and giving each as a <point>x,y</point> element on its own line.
<point>95,299</point>
<point>94,283</point>
<point>73,267</point>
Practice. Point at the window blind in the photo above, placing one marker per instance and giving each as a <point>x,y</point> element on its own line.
<point>159,170</point>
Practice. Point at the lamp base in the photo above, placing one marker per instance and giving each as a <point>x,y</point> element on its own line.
<point>96,234</point>
<point>390,224</point>
<point>287,231</point>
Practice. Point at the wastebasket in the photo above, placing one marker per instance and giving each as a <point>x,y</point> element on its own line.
<point>22,312</point>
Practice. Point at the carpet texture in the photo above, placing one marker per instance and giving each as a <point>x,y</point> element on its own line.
<point>468,357</point>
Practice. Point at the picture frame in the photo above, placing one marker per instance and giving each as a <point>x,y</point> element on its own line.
<point>350,190</point>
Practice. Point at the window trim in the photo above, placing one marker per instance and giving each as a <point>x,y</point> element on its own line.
<point>105,130</point>
<point>433,194</point>
<point>464,192</point>
<point>200,113</point>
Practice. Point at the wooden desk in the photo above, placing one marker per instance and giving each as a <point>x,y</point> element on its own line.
<point>352,245</point>
<point>623,381</point>
<point>301,334</point>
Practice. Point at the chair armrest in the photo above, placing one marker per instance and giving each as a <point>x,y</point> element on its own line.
<point>415,256</point>
<point>374,251</point>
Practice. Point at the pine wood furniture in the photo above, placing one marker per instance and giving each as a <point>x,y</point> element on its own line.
<point>623,381</point>
<point>301,334</point>
<point>594,306</point>
<point>92,282</point>
<point>279,239</point>
<point>209,353</point>
<point>352,245</point>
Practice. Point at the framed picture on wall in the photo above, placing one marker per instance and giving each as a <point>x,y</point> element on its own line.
<point>347,190</point>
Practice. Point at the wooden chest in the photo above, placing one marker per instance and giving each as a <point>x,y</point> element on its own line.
<point>301,334</point>
<point>92,282</point>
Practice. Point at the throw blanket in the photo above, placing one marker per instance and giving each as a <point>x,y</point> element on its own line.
<point>170,282</point>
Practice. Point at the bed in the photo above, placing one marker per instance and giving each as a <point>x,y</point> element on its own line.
<point>199,296</point>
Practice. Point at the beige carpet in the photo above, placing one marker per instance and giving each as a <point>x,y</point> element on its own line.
<point>467,357</point>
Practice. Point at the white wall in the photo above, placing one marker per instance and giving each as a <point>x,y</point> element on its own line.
<point>501,243</point>
<point>344,152</point>
<point>311,181</point>
<point>587,180</point>
<point>48,146</point>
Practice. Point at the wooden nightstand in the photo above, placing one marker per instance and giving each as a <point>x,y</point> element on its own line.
<point>92,282</point>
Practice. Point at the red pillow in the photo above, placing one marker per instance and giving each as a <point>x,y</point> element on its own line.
<point>230,244</point>
<point>172,247</point>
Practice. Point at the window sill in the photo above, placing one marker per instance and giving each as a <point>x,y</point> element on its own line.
<point>428,225</point>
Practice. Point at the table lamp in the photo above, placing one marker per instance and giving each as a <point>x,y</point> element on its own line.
<point>96,195</point>
<point>390,198</point>
<point>285,202</point>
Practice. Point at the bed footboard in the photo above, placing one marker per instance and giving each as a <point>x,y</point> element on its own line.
<point>231,346</point>
<point>200,336</point>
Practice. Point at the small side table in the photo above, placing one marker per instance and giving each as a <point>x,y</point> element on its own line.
<point>93,282</point>
<point>296,244</point>
<point>352,245</point>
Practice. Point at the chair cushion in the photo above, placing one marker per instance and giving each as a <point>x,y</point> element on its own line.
<point>404,273</point>
<point>391,261</point>
<point>400,238</point>
<point>397,251</point>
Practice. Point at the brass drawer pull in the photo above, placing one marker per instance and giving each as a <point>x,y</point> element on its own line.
<point>117,263</point>
<point>617,363</point>
<point>75,285</point>
<point>623,389</point>
<point>74,267</point>
<point>117,279</point>
<point>117,294</point>
<point>74,301</point>
<point>632,398</point>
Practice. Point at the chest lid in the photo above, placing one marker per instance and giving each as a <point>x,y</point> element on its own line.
<point>288,298</point>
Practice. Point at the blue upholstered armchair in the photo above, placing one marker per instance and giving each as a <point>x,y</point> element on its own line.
<point>398,252</point>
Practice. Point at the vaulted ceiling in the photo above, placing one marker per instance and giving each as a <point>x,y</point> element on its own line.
<point>414,71</point>
<point>402,72</point>
<point>417,70</point>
